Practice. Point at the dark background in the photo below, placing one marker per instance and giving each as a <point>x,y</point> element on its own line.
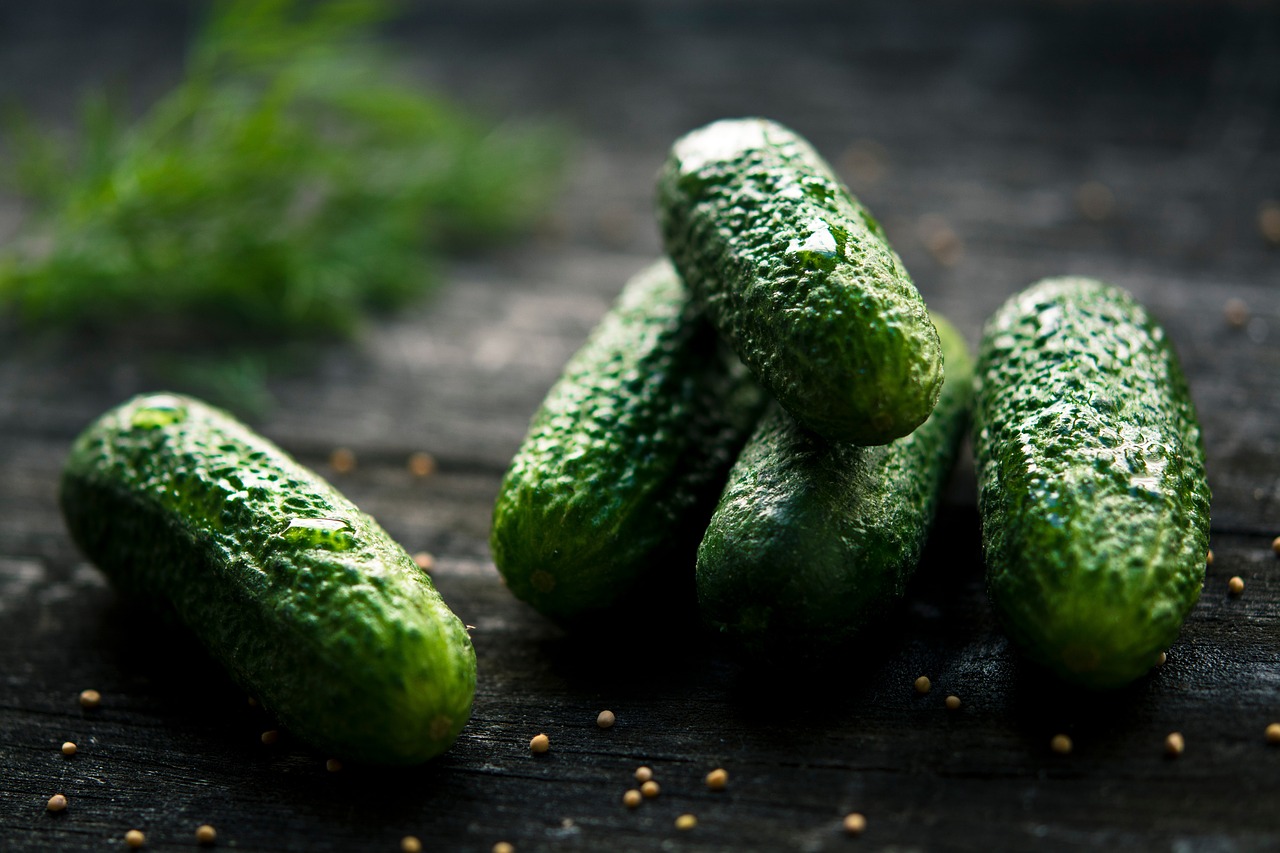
<point>1136,142</point>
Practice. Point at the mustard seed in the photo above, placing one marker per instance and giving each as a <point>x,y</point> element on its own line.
<point>1208,558</point>
<point>923,685</point>
<point>422,464</point>
<point>1273,733</point>
<point>1174,745</point>
<point>643,774</point>
<point>1269,222</point>
<point>1236,312</point>
<point>650,789</point>
<point>686,822</point>
<point>1162,658</point>
<point>206,834</point>
<point>504,847</point>
<point>342,460</point>
<point>1275,545</point>
<point>333,765</point>
<point>539,744</point>
<point>631,799</point>
<point>855,823</point>
<point>1061,744</point>
<point>68,748</point>
<point>1095,200</point>
<point>135,838</point>
<point>606,719</point>
<point>90,698</point>
<point>424,561</point>
<point>717,779</point>
<point>410,844</point>
<point>1235,586</point>
<point>953,703</point>
<point>269,737</point>
<point>56,803</point>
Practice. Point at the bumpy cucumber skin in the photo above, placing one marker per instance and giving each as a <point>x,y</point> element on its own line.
<point>813,540</point>
<point>330,625</point>
<point>622,464</point>
<point>800,280</point>
<point>1095,507</point>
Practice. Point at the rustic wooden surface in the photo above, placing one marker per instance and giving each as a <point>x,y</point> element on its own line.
<point>970,129</point>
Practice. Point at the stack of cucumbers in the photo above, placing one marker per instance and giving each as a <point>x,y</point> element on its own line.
<point>761,427</point>
<point>795,476</point>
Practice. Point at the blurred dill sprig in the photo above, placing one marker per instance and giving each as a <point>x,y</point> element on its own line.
<point>288,185</point>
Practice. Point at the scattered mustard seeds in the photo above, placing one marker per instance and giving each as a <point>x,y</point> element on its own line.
<point>206,834</point>
<point>717,779</point>
<point>632,798</point>
<point>686,822</point>
<point>953,703</point>
<point>410,844</point>
<point>68,748</point>
<point>57,803</point>
<point>1061,744</point>
<point>650,789</point>
<point>643,774</point>
<point>90,698</point>
<point>422,464</point>
<point>855,823</point>
<point>134,838</point>
<point>923,685</point>
<point>539,744</point>
<point>342,460</point>
<point>269,737</point>
<point>1273,733</point>
<point>1174,745</point>
<point>333,765</point>
<point>606,719</point>
<point>1235,586</point>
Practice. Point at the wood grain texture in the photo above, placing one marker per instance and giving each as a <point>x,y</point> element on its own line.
<point>971,131</point>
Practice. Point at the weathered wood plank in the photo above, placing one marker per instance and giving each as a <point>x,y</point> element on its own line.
<point>985,119</point>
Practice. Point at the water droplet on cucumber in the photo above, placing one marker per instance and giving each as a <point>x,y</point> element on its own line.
<point>158,411</point>
<point>332,534</point>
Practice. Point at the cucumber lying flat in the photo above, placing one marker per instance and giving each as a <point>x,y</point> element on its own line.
<point>623,462</point>
<point>1095,507</point>
<point>798,277</point>
<point>813,540</point>
<point>307,601</point>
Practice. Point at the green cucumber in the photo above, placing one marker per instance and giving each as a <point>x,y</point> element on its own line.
<point>812,539</point>
<point>308,603</point>
<point>1095,507</point>
<point>607,497</point>
<point>798,277</point>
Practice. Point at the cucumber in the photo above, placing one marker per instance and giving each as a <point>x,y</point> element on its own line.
<point>309,604</point>
<point>604,502</point>
<point>798,277</point>
<point>1095,507</point>
<point>813,540</point>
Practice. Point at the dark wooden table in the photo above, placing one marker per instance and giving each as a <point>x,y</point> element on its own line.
<point>999,143</point>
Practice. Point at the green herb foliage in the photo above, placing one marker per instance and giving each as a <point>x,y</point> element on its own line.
<point>288,185</point>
